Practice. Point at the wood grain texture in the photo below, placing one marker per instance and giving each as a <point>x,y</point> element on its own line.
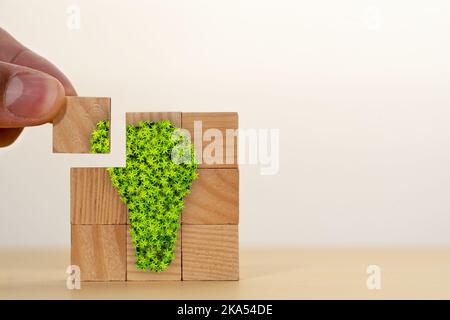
<point>100,251</point>
<point>135,117</point>
<point>210,252</point>
<point>173,272</point>
<point>73,126</point>
<point>93,198</point>
<point>221,121</point>
<point>214,198</point>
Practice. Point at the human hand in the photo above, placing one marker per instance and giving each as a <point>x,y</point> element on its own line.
<point>32,89</point>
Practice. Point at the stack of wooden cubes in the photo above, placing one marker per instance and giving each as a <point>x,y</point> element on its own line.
<point>207,247</point>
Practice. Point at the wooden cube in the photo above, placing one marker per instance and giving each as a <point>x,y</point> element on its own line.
<point>173,272</point>
<point>210,252</point>
<point>93,198</point>
<point>208,245</point>
<point>100,251</point>
<point>215,138</point>
<point>213,199</point>
<point>73,126</point>
<point>135,117</point>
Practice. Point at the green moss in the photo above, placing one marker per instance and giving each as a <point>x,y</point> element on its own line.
<point>160,168</point>
<point>100,138</point>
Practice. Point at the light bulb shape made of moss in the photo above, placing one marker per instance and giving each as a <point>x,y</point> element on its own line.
<point>160,168</point>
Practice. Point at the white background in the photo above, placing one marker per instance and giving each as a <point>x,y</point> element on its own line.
<point>359,91</point>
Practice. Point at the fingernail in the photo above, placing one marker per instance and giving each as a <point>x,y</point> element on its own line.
<point>31,95</point>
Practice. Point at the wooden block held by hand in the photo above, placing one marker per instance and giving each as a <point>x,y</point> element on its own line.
<point>134,118</point>
<point>173,272</point>
<point>100,251</point>
<point>73,126</point>
<point>210,252</point>
<point>214,137</point>
<point>93,198</point>
<point>213,199</point>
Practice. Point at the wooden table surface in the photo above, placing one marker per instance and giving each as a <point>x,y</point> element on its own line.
<point>265,274</point>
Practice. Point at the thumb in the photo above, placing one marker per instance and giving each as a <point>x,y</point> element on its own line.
<point>29,97</point>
